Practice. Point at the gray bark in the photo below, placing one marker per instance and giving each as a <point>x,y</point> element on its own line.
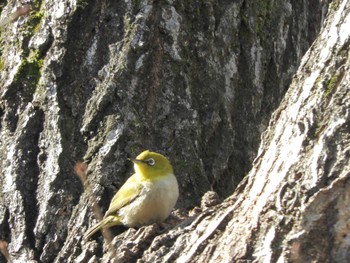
<point>197,81</point>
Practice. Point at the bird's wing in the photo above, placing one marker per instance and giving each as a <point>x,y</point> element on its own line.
<point>126,194</point>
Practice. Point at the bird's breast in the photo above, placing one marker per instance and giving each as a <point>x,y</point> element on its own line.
<point>154,203</point>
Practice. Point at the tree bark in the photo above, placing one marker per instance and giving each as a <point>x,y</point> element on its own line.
<point>197,81</point>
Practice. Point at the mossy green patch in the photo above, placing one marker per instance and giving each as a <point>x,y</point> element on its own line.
<point>334,4</point>
<point>33,21</point>
<point>33,24</point>
<point>29,72</point>
<point>261,11</point>
<point>2,64</point>
<point>136,4</point>
<point>331,83</point>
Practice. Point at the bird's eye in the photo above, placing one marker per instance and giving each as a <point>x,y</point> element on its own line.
<point>150,161</point>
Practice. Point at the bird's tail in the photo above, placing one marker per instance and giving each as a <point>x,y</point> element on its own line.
<point>105,223</point>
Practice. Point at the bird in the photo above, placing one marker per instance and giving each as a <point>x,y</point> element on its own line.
<point>147,197</point>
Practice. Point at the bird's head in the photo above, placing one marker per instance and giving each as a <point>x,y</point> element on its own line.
<point>152,166</point>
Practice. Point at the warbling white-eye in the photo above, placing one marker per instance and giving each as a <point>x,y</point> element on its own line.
<point>147,197</point>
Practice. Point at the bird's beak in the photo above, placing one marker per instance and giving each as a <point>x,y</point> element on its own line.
<point>135,160</point>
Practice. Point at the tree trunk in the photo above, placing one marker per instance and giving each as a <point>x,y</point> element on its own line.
<point>194,80</point>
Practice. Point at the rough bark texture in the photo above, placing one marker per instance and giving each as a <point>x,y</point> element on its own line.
<point>197,81</point>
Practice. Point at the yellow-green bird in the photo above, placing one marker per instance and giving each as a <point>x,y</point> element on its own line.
<point>147,197</point>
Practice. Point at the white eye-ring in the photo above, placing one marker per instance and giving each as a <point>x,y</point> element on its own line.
<point>150,161</point>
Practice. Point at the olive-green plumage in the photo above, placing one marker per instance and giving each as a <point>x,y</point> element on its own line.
<point>147,197</point>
